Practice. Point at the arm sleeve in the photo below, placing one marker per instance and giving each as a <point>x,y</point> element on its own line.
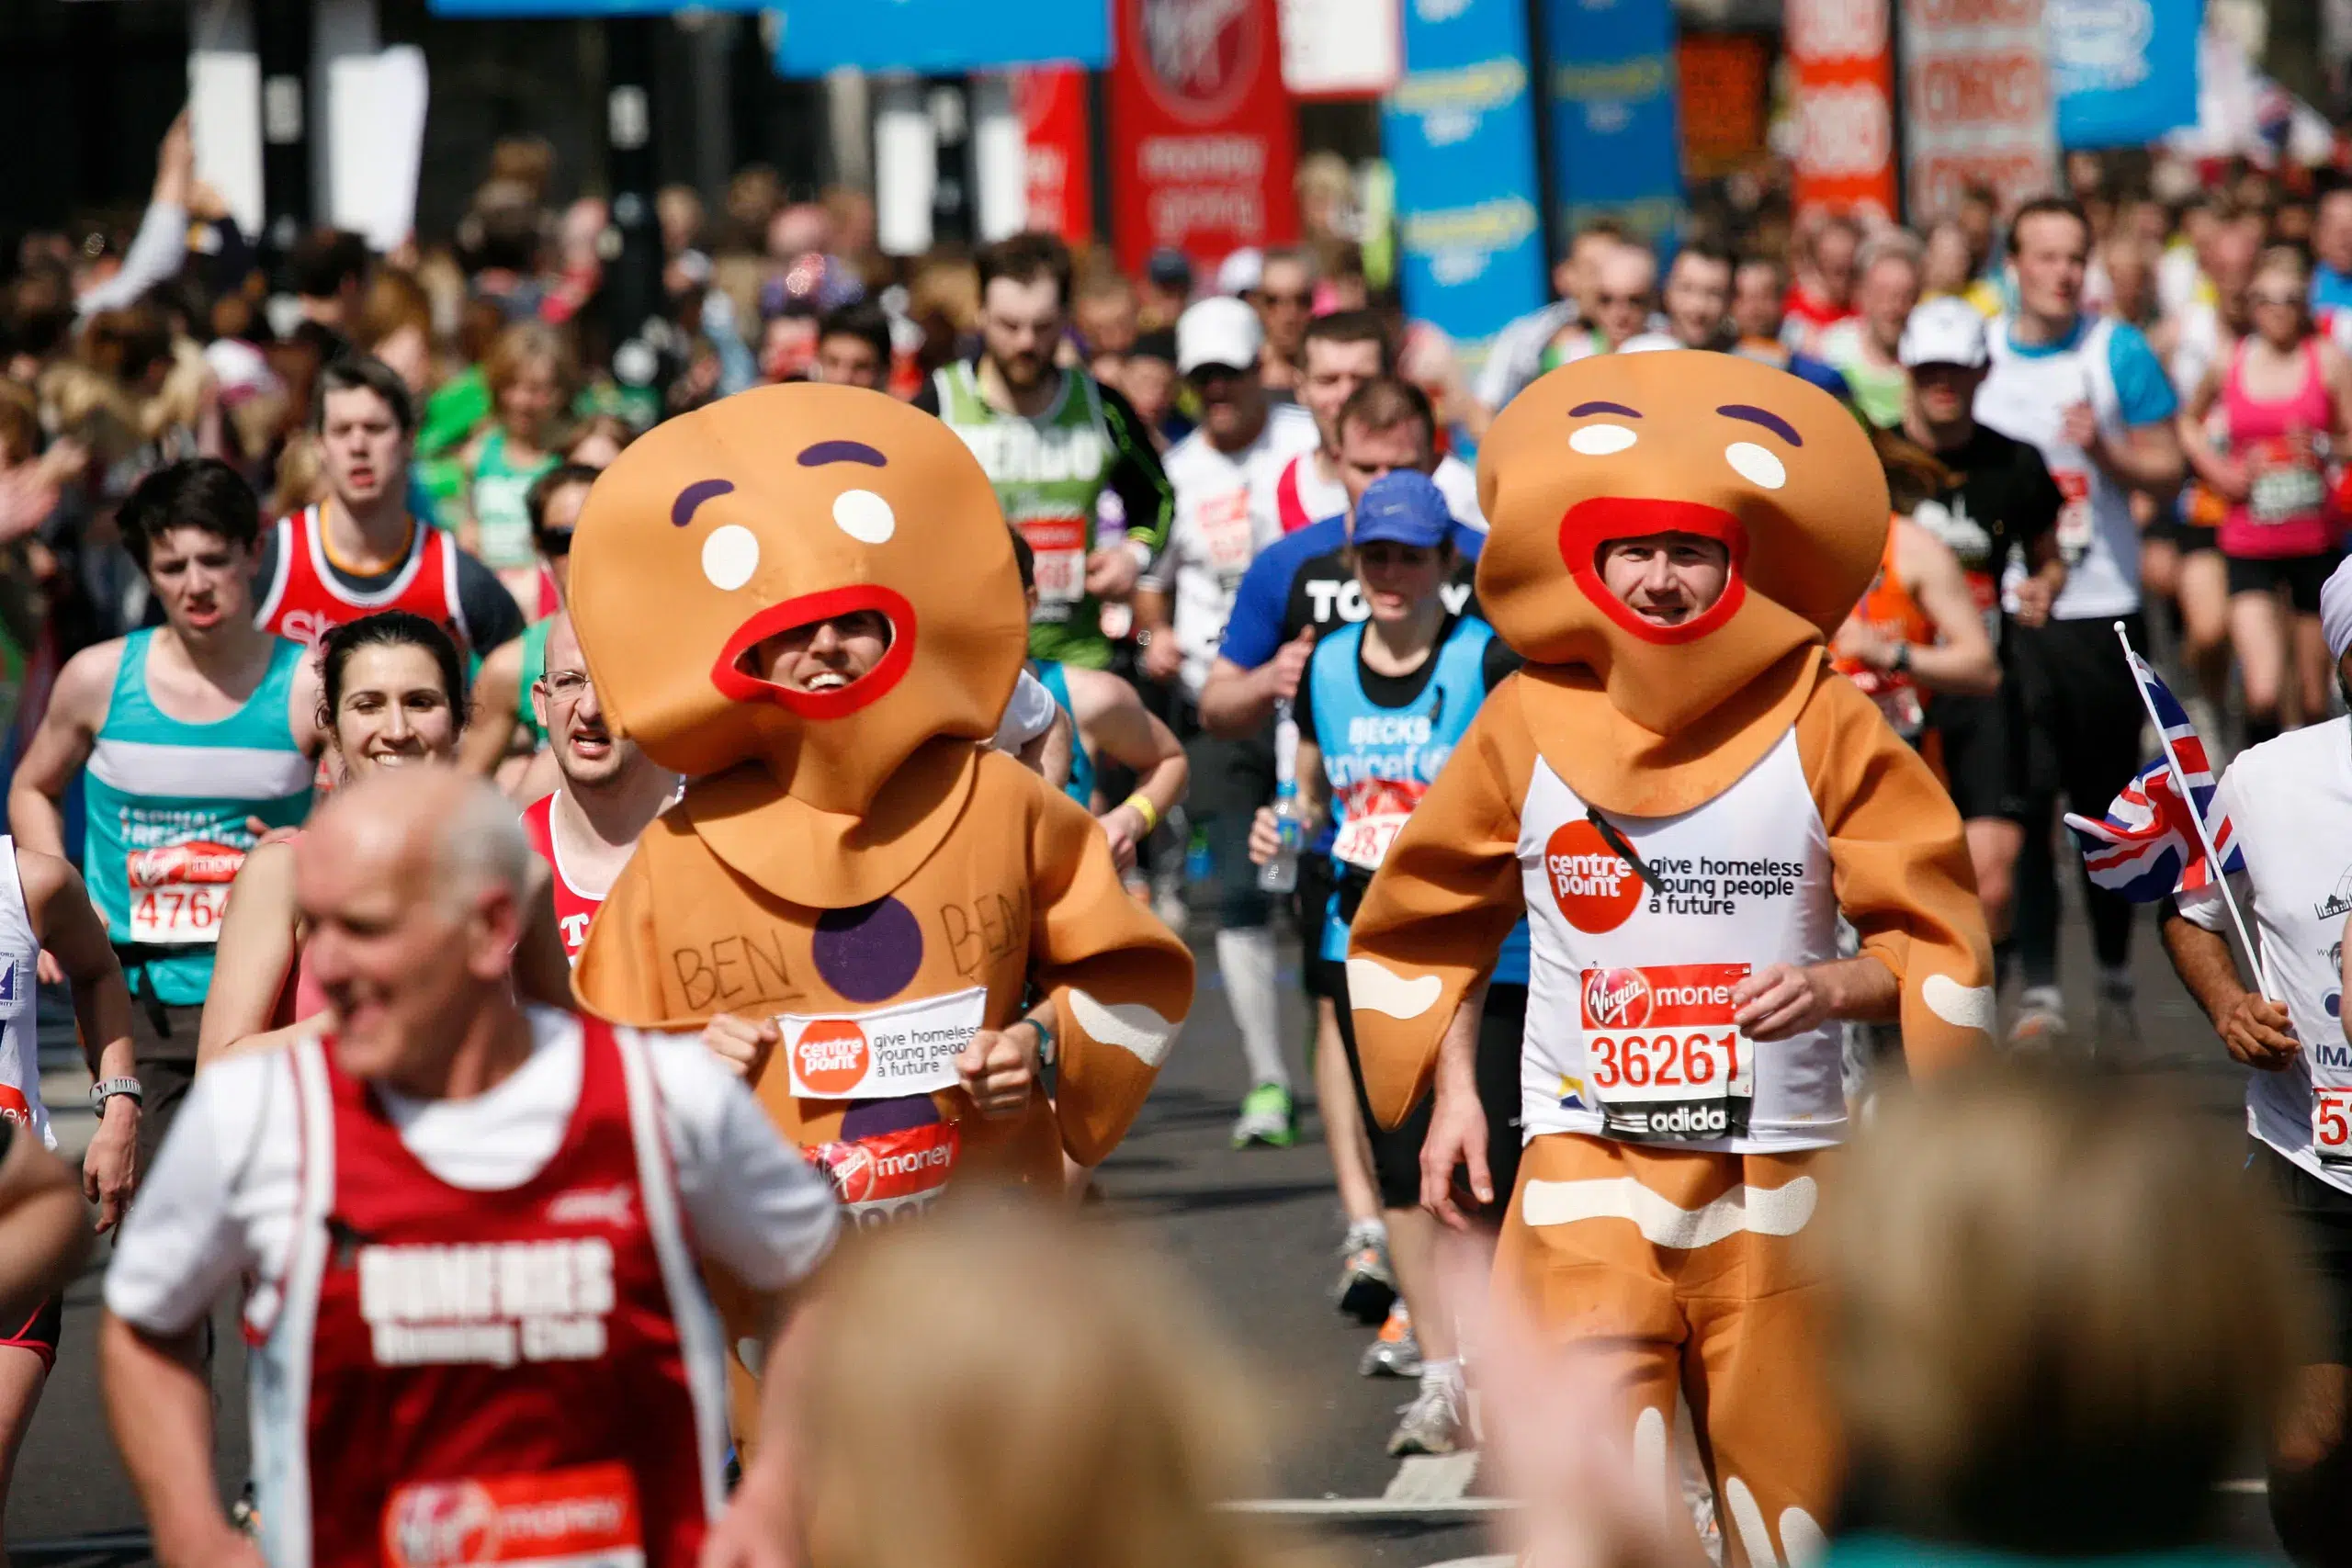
<point>492,616</point>
<point>1120,982</point>
<point>2144,393</point>
<point>1899,862</point>
<point>1438,907</point>
<point>1136,477</point>
<point>182,1247</point>
<point>155,254</point>
<point>757,1208</point>
<point>1302,707</point>
<point>1254,628</point>
<point>1029,715</point>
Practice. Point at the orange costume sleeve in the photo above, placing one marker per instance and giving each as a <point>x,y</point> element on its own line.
<point>1902,871</point>
<point>1444,898</point>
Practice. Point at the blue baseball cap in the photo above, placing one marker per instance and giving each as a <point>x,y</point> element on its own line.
<point>1403,506</point>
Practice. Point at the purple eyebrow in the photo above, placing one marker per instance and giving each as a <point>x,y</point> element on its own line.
<point>825,452</point>
<point>1583,409</point>
<point>1765,417</point>
<point>682,511</point>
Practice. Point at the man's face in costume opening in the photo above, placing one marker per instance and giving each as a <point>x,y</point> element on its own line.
<point>1665,579</point>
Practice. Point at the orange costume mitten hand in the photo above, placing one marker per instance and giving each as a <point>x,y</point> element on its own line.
<point>1902,871</point>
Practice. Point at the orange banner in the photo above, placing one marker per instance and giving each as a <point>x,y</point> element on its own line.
<point>1845,105</point>
<point>1724,79</point>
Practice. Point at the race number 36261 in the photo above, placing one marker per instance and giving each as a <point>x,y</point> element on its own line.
<point>1662,1056</point>
<point>2332,1123</point>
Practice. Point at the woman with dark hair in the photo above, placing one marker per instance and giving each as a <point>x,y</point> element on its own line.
<point>392,695</point>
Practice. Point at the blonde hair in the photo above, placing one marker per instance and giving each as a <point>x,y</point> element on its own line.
<point>526,343</point>
<point>999,1387</point>
<point>2059,1313</point>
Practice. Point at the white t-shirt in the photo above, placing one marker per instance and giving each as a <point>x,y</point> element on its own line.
<point>1029,715</point>
<point>2289,805</point>
<point>221,1199</point>
<point>1218,528</point>
<point>1319,497</point>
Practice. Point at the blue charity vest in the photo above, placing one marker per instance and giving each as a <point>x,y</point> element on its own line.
<point>167,806</point>
<point>1081,787</point>
<point>1379,761</point>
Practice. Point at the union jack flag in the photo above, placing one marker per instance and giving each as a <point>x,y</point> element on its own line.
<point>2148,847</point>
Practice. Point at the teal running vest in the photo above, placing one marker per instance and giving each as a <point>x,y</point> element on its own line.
<point>167,805</point>
<point>1081,787</point>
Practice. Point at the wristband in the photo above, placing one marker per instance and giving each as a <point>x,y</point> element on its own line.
<point>1045,1039</point>
<point>1901,663</point>
<point>1145,810</point>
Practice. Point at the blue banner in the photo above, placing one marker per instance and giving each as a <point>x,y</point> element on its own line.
<point>2124,71</point>
<point>941,36</point>
<point>1616,142</point>
<point>1459,132</point>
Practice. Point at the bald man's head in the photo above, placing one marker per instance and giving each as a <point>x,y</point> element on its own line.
<point>416,887</point>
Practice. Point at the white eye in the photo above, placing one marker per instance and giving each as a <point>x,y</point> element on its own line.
<point>1755,465</point>
<point>1600,440</point>
<point>729,556</point>
<point>865,516</point>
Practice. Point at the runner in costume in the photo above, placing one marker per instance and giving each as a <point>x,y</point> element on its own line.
<point>360,551</point>
<point>471,1236</point>
<point>1682,803</point>
<point>803,599</point>
<point>1073,466</point>
<point>199,735</point>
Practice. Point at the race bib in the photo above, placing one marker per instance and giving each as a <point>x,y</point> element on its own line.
<point>1364,840</point>
<point>179,891</point>
<point>1227,538</point>
<point>1663,1061</point>
<point>2332,1123</point>
<point>891,1176</point>
<point>581,1517</point>
<point>1984,592</point>
<point>1059,545</point>
<point>2075,527</point>
<point>2287,484</point>
<point>887,1054</point>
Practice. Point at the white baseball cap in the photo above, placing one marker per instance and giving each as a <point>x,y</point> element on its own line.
<point>1219,330</point>
<point>1239,272</point>
<point>1948,330</point>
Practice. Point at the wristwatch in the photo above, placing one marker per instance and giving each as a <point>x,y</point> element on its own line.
<point>107,1088</point>
<point>1901,663</point>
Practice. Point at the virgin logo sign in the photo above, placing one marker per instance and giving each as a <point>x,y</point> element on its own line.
<point>1203,52</point>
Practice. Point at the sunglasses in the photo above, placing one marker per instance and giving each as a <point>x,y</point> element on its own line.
<point>1624,299</point>
<point>1296,302</point>
<point>2285,301</point>
<point>553,543</point>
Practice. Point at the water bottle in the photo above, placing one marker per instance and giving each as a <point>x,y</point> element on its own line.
<point>1280,875</point>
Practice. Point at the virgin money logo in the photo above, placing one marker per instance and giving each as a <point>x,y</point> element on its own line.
<point>179,864</point>
<point>890,1166</point>
<point>437,1524</point>
<point>1200,55</point>
<point>1616,998</point>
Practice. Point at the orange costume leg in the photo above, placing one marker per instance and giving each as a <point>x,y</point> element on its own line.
<point>1679,1269</point>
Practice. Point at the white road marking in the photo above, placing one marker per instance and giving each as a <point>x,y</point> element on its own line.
<point>1432,1478</point>
<point>1382,1507</point>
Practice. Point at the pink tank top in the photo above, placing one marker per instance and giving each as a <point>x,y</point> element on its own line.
<point>2289,511</point>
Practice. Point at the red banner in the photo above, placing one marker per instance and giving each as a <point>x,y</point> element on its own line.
<point>1845,105</point>
<point>1977,102</point>
<point>1201,135</point>
<point>1052,103</point>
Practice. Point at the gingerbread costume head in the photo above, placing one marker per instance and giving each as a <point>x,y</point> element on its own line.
<point>1629,445</point>
<point>776,509</point>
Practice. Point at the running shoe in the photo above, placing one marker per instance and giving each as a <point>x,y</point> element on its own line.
<point>1395,1353</point>
<point>2041,1022</point>
<point>1367,1285</point>
<point>1432,1423</point>
<point>1267,1117</point>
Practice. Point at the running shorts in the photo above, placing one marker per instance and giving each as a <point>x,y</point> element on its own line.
<point>1983,752</point>
<point>2302,576</point>
<point>1397,1154</point>
<point>2322,1215</point>
<point>39,1332</point>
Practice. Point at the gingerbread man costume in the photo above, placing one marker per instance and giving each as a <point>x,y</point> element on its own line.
<point>852,863</point>
<point>1674,808</point>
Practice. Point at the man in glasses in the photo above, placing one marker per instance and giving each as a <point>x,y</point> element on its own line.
<point>608,790</point>
<point>1285,300</point>
<point>508,726</point>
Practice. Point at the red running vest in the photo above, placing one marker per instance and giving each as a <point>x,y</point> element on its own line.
<point>573,908</point>
<point>304,602</point>
<point>503,1377</point>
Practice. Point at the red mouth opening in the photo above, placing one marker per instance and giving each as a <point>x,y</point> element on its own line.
<point>1592,524</point>
<point>739,684</point>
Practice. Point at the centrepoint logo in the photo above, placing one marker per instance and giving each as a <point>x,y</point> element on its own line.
<point>1617,998</point>
<point>830,1055</point>
<point>1594,887</point>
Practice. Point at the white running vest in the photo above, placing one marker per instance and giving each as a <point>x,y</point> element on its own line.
<point>2025,398</point>
<point>19,1023</point>
<point>1629,1032</point>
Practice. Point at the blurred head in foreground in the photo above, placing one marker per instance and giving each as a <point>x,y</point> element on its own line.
<point>2062,1317</point>
<point>999,1387</point>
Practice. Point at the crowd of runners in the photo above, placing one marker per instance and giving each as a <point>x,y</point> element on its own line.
<point>305,741</point>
